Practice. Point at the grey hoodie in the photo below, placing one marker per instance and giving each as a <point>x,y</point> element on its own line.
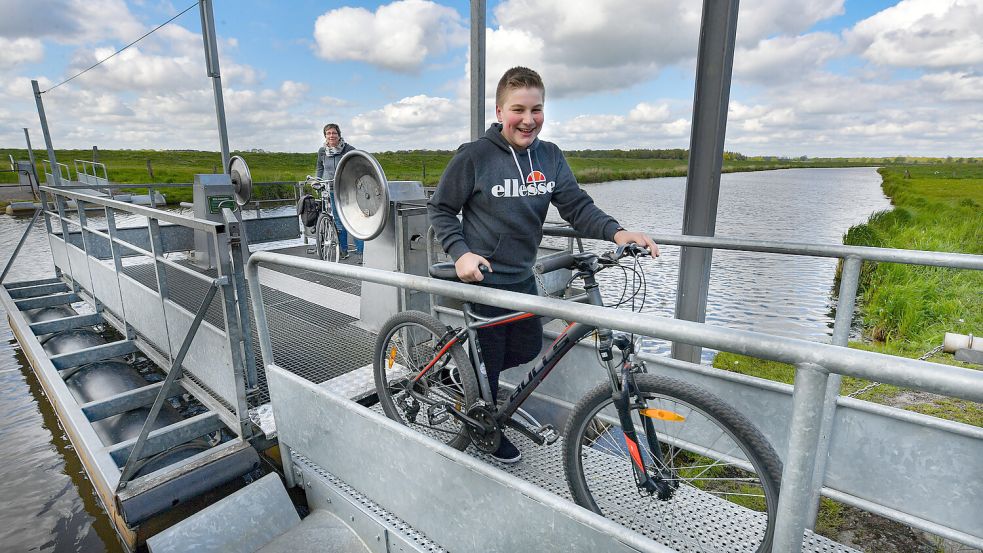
<point>504,195</point>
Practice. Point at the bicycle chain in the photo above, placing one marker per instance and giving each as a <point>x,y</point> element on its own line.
<point>873,385</point>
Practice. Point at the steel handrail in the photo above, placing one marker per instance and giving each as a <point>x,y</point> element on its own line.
<point>153,213</point>
<point>887,255</point>
<point>911,373</point>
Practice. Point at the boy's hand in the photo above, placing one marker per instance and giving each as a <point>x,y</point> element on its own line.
<point>468,267</point>
<point>623,237</point>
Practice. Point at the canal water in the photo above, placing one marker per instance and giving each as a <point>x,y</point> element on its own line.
<point>48,504</point>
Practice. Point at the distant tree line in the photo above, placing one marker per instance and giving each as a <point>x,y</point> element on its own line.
<point>641,153</point>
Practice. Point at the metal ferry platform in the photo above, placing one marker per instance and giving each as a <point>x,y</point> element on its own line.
<point>316,334</point>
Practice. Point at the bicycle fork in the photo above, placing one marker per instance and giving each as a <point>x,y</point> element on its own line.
<point>664,483</point>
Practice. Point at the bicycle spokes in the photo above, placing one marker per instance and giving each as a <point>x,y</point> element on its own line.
<point>695,465</point>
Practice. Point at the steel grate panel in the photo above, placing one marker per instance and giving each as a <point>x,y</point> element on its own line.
<point>353,287</point>
<point>702,522</point>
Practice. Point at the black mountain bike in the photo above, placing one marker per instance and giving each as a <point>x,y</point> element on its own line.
<point>649,451</point>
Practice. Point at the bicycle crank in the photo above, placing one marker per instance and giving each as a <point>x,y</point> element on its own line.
<point>488,436</point>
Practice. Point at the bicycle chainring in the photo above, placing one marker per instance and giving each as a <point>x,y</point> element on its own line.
<point>486,441</point>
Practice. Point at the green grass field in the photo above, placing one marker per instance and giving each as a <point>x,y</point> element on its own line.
<point>131,166</point>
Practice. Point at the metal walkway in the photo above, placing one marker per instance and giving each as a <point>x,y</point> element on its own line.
<point>309,340</point>
<point>340,360</point>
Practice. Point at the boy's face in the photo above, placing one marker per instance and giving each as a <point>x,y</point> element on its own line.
<point>521,116</point>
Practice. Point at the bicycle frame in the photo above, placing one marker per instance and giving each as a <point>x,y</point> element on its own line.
<point>620,378</point>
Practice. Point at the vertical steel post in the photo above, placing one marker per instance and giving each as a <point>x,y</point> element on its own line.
<point>849,281</point>
<point>266,351</point>
<point>160,272</point>
<point>34,168</point>
<point>477,69</point>
<point>221,241</point>
<point>86,240</point>
<point>117,267</point>
<point>803,435</point>
<point>718,33</point>
<point>211,62</point>
<point>55,175</point>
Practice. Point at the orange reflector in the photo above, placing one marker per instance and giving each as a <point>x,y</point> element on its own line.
<point>392,358</point>
<point>662,414</point>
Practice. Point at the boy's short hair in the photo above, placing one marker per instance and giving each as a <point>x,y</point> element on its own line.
<point>332,126</point>
<point>518,77</point>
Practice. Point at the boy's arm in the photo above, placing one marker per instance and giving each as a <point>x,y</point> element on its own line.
<point>455,187</point>
<point>578,208</point>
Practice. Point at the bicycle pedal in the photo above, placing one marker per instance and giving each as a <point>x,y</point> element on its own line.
<point>548,433</point>
<point>437,414</point>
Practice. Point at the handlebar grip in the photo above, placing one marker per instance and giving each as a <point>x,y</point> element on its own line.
<point>564,261</point>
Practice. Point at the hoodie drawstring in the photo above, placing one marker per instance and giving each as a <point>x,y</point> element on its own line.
<point>515,158</point>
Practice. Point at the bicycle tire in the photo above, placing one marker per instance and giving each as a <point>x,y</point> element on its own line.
<point>328,246</point>
<point>599,473</point>
<point>414,338</point>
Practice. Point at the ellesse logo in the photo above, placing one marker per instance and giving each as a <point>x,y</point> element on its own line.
<point>535,185</point>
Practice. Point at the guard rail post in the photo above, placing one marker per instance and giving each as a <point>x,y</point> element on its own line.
<point>803,437</point>
<point>845,304</point>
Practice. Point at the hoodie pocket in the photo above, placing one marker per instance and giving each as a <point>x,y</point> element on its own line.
<point>513,253</point>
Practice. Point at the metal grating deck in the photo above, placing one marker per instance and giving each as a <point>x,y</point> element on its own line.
<point>692,522</point>
<point>309,340</point>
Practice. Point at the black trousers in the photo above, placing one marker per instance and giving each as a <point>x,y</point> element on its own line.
<point>510,345</point>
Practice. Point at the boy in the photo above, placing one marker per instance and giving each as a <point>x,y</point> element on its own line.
<point>504,183</point>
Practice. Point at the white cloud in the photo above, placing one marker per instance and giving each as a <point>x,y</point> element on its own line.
<point>923,34</point>
<point>784,57</point>
<point>620,43</point>
<point>69,21</point>
<point>759,19</point>
<point>20,50</point>
<point>416,122</point>
<point>954,86</point>
<point>399,36</point>
<point>645,126</point>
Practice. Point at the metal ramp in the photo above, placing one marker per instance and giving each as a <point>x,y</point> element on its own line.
<point>257,519</point>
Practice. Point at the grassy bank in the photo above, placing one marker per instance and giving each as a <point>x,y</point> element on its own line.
<point>905,310</point>
<point>131,166</point>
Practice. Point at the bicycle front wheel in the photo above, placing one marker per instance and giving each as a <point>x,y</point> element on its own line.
<point>726,475</point>
<point>328,247</point>
<point>407,344</point>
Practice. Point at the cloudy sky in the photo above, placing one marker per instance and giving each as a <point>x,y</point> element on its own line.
<point>811,77</point>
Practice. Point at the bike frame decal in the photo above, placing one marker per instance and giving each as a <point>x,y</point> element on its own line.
<point>633,451</point>
<point>506,321</point>
<point>436,358</point>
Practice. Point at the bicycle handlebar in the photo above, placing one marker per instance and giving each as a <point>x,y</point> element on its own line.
<point>572,260</point>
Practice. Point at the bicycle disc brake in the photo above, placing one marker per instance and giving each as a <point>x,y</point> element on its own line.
<point>485,440</point>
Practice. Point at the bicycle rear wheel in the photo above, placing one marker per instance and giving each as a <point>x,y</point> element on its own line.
<point>407,343</point>
<point>727,474</point>
<point>328,246</point>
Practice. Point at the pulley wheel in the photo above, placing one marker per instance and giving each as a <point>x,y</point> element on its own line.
<point>242,181</point>
<point>362,194</point>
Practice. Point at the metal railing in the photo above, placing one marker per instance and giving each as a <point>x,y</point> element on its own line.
<point>819,366</point>
<point>220,359</point>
